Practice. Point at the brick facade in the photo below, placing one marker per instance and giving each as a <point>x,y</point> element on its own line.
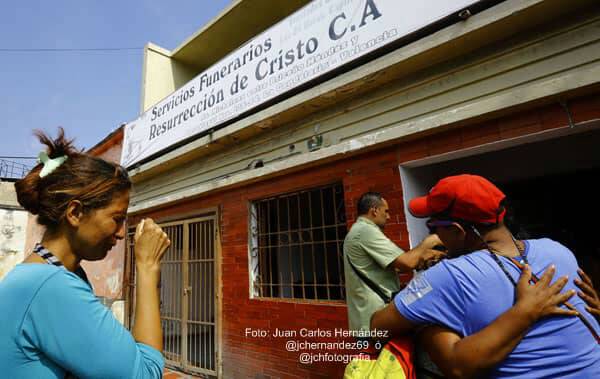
<point>376,170</point>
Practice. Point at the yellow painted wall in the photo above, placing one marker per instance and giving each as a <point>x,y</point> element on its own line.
<point>161,75</point>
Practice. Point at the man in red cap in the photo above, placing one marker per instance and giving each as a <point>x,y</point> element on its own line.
<point>484,310</point>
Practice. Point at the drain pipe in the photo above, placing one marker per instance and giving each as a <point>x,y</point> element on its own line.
<point>565,106</point>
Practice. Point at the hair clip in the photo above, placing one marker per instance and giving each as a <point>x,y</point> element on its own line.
<point>50,164</point>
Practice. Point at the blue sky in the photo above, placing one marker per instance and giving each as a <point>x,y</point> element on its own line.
<point>88,93</point>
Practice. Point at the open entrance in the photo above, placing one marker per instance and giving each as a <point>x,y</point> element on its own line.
<point>550,183</point>
<point>562,207</point>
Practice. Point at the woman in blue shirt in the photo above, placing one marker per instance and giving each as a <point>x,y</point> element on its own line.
<point>51,324</point>
<point>495,309</point>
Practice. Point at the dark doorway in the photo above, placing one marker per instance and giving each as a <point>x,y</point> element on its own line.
<point>550,184</point>
<point>564,208</point>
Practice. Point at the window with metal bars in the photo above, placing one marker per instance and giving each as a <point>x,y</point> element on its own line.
<point>296,244</point>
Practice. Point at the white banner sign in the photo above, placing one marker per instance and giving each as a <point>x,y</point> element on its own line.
<point>315,40</point>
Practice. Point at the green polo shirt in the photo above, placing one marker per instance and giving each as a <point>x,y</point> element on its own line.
<point>371,252</point>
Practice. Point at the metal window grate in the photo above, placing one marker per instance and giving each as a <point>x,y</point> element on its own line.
<point>171,289</point>
<point>131,278</point>
<point>188,302</point>
<point>296,244</point>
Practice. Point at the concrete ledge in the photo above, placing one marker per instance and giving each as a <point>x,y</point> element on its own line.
<point>518,96</point>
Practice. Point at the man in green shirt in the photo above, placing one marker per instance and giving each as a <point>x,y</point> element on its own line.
<point>371,259</point>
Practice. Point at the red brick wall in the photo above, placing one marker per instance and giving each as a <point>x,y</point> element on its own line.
<point>248,357</point>
<point>267,358</point>
<point>515,125</point>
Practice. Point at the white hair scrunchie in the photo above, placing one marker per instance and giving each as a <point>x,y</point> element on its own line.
<point>50,164</point>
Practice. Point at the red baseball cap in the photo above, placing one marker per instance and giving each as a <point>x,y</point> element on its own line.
<point>463,197</point>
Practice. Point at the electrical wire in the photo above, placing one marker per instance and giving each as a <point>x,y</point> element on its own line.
<point>53,50</point>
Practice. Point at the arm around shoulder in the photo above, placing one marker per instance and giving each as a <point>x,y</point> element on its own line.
<point>476,354</point>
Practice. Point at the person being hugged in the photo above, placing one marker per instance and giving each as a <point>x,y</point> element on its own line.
<point>52,325</point>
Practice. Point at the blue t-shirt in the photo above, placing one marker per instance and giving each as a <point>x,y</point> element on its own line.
<point>51,323</point>
<point>468,293</point>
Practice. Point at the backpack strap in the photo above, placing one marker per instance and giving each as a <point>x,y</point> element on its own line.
<point>374,287</point>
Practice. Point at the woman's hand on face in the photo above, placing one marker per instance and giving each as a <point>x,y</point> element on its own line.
<point>542,299</point>
<point>588,294</point>
<point>150,245</point>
